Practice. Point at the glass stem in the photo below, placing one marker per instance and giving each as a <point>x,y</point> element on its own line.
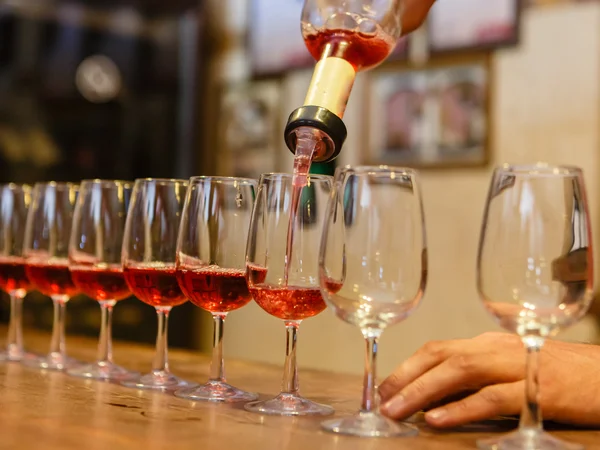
<point>14,346</point>
<point>217,366</point>
<point>161,358</point>
<point>369,399</point>
<point>57,343</point>
<point>531,417</point>
<point>290,370</point>
<point>105,344</point>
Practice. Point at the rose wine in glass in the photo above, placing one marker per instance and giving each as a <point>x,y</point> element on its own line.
<point>213,288</point>
<point>15,200</point>
<point>148,259</point>
<point>373,270</point>
<point>95,264</point>
<point>287,289</point>
<point>289,303</point>
<point>155,285</point>
<point>535,273</point>
<point>12,274</point>
<point>102,282</point>
<point>211,258</point>
<point>45,248</point>
<point>51,277</point>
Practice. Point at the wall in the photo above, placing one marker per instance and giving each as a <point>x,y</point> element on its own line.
<point>545,106</point>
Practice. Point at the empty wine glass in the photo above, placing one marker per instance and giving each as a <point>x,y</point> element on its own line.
<point>211,266</point>
<point>95,263</point>
<point>14,204</point>
<point>535,272</point>
<point>373,270</point>
<point>295,295</point>
<point>45,248</point>
<point>148,258</point>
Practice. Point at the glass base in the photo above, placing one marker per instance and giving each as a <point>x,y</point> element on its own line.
<point>289,405</point>
<point>365,424</point>
<point>15,355</point>
<point>216,391</point>
<point>52,361</point>
<point>527,440</point>
<point>158,380</point>
<point>103,370</point>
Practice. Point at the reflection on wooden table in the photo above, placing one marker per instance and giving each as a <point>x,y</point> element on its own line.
<point>61,412</point>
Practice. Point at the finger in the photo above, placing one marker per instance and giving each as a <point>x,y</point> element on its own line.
<point>435,352</point>
<point>489,402</point>
<point>458,373</point>
<point>415,13</point>
<point>426,358</point>
<point>450,399</point>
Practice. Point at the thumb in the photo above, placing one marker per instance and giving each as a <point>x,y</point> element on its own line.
<point>415,13</point>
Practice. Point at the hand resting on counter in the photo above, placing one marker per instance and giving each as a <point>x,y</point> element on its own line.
<point>487,373</point>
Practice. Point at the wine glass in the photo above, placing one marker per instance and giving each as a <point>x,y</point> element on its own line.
<point>45,248</point>
<point>148,258</point>
<point>295,295</point>
<point>211,266</point>
<point>95,263</point>
<point>14,204</point>
<point>373,270</point>
<point>535,272</point>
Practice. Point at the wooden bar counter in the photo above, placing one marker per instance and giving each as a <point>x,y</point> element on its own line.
<point>51,410</point>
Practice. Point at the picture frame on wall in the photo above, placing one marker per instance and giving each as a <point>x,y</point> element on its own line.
<point>433,117</point>
<point>249,132</point>
<point>275,38</point>
<point>543,3</point>
<point>472,25</point>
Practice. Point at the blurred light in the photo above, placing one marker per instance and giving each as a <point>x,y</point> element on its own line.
<point>126,21</point>
<point>98,79</point>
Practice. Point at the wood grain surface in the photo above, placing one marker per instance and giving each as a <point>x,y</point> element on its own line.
<point>51,410</point>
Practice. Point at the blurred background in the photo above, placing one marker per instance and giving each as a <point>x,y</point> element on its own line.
<point>148,88</point>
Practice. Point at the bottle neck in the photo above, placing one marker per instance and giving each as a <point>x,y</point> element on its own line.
<point>323,109</point>
<point>331,85</point>
<point>326,129</point>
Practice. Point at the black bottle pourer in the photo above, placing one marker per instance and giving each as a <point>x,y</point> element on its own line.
<point>333,131</point>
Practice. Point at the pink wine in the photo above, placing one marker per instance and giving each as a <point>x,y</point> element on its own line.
<point>101,283</point>
<point>289,303</point>
<point>51,279</point>
<point>12,275</point>
<point>215,289</point>
<point>332,286</point>
<point>362,50</point>
<point>156,286</point>
<point>302,163</point>
<point>256,274</point>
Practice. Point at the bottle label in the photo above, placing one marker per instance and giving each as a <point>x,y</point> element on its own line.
<point>331,85</point>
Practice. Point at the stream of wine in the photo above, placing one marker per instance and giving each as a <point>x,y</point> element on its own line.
<point>302,161</point>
